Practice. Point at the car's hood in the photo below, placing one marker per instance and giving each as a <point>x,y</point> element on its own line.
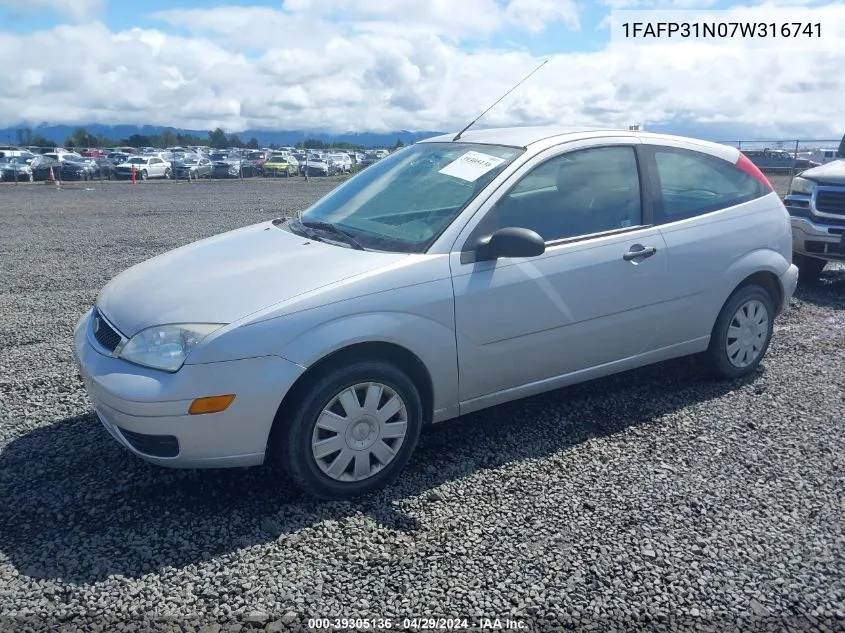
<point>227,277</point>
<point>832,173</point>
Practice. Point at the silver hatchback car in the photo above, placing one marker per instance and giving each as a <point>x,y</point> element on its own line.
<point>450,276</point>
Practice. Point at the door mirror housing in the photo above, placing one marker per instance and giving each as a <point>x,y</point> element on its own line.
<point>511,241</point>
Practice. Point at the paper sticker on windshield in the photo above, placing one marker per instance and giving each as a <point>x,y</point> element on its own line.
<point>472,166</point>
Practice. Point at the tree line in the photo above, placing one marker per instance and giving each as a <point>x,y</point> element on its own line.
<point>216,139</point>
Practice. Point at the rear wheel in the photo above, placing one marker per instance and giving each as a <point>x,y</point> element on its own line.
<point>144,175</point>
<point>809,268</point>
<point>742,332</point>
<point>353,432</point>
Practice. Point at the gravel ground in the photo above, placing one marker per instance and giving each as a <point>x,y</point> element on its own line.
<point>652,500</point>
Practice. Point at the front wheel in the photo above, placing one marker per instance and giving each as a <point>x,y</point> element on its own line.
<point>167,173</point>
<point>742,333</point>
<point>353,432</point>
<point>809,268</point>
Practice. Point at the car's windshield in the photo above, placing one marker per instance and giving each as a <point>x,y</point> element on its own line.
<point>137,161</point>
<point>403,202</point>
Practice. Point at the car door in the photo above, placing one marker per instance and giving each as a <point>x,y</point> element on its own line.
<point>592,298</point>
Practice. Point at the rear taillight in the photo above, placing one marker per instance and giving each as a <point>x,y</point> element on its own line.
<point>745,164</point>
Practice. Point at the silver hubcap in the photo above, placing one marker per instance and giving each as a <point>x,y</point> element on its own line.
<point>747,333</point>
<point>359,432</point>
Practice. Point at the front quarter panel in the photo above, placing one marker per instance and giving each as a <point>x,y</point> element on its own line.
<point>410,306</point>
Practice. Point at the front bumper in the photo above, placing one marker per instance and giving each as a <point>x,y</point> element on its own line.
<point>812,234</point>
<point>146,410</point>
<point>818,239</point>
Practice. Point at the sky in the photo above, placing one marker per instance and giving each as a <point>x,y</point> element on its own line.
<point>384,65</point>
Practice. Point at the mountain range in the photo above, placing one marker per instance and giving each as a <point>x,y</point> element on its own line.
<point>722,132</point>
<point>58,134</point>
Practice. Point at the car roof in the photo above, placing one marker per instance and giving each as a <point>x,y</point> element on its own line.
<point>529,135</point>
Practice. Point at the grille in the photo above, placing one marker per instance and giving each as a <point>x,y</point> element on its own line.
<point>831,201</point>
<point>153,445</point>
<point>104,333</point>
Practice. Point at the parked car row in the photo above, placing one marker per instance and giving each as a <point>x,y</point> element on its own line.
<point>66,166</point>
<point>177,162</point>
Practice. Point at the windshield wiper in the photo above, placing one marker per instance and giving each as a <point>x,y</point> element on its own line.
<point>328,227</point>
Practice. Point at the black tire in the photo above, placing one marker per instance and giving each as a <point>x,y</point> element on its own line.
<point>144,175</point>
<point>717,357</point>
<point>809,268</point>
<point>292,437</point>
<point>167,173</point>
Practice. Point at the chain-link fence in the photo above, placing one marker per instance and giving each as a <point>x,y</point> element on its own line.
<point>782,160</point>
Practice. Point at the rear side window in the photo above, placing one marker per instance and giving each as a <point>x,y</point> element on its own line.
<point>692,183</point>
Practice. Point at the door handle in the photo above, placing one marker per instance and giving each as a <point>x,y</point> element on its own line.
<point>639,251</point>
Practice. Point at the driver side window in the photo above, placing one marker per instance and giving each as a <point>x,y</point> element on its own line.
<point>578,193</point>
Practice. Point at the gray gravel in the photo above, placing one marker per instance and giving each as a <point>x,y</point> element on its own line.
<point>653,500</point>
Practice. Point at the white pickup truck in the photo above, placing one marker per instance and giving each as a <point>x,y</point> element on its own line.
<point>816,203</point>
<point>145,167</point>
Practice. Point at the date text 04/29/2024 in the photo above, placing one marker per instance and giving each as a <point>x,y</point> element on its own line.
<point>418,624</point>
<point>703,30</point>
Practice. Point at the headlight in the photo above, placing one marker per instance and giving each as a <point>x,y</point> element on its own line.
<point>166,346</point>
<point>803,185</point>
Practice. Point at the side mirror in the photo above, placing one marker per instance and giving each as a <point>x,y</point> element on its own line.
<point>511,241</point>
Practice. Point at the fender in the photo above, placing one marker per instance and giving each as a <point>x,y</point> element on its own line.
<point>760,260</point>
<point>429,340</point>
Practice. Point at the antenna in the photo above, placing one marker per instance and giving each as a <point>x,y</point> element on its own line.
<point>458,135</point>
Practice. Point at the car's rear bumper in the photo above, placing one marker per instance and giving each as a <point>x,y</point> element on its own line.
<point>788,282</point>
<point>146,410</point>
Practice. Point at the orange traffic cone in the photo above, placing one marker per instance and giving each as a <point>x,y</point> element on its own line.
<point>53,178</point>
<point>133,174</point>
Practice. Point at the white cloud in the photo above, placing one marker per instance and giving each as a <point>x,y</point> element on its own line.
<point>668,4</point>
<point>447,18</point>
<point>300,68</point>
<point>534,15</point>
<point>74,9</point>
